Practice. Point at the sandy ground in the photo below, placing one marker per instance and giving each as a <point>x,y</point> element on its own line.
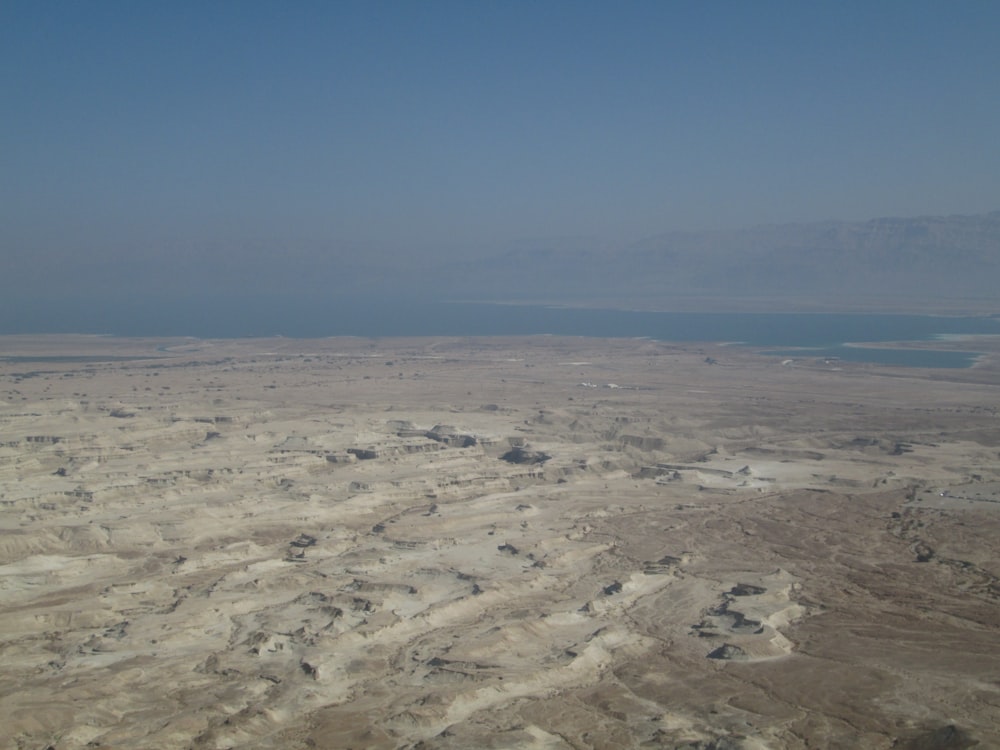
<point>504,543</point>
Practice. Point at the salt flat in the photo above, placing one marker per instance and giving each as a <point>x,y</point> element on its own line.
<point>510,542</point>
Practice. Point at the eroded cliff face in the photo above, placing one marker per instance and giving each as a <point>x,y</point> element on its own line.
<point>286,544</point>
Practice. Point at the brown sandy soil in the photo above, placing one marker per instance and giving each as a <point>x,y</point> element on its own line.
<point>506,543</point>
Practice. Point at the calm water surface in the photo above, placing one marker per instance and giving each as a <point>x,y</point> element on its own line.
<point>824,334</point>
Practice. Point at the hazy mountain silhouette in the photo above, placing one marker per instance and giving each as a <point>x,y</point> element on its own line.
<point>931,258</point>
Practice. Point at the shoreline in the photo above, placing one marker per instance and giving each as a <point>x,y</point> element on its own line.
<point>82,350</point>
<point>805,306</point>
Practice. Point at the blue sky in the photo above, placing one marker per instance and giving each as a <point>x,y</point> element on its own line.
<point>168,133</point>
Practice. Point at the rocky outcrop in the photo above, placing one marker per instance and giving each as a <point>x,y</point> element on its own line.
<point>524,455</point>
<point>450,436</point>
<point>728,652</point>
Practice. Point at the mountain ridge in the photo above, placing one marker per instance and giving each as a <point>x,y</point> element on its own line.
<point>930,259</point>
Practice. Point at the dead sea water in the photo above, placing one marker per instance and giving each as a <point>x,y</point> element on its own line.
<point>829,335</point>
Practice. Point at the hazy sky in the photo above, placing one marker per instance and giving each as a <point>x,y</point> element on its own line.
<point>136,131</point>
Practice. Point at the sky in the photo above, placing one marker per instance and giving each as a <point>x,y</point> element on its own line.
<point>160,139</point>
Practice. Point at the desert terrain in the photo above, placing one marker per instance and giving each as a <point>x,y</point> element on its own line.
<point>501,543</point>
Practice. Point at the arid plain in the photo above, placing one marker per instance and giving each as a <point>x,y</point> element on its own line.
<point>503,543</point>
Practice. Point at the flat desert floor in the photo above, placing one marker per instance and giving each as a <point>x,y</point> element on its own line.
<point>493,543</point>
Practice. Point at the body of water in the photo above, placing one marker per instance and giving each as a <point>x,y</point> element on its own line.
<point>820,334</point>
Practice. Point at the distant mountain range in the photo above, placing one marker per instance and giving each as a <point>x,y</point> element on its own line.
<point>932,264</point>
<point>915,263</point>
